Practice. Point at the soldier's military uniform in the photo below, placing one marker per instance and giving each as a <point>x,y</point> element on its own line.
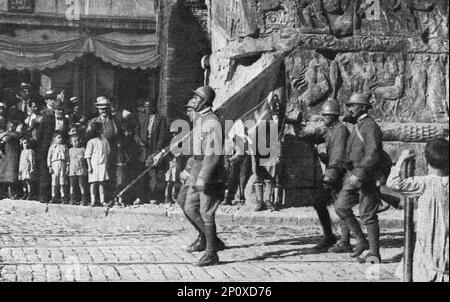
<point>364,148</point>
<point>206,182</point>
<point>335,137</point>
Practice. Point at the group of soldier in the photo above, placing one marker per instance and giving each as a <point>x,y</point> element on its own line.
<point>353,161</point>
<point>356,167</point>
<point>354,172</point>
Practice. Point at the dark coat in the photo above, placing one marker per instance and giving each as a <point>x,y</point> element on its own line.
<point>46,131</point>
<point>335,139</point>
<point>363,155</point>
<point>158,138</point>
<point>336,142</point>
<point>210,168</point>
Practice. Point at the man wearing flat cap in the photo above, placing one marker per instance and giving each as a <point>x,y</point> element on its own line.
<point>74,113</point>
<point>22,98</point>
<point>51,122</point>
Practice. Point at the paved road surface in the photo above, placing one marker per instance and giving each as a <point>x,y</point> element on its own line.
<point>39,246</point>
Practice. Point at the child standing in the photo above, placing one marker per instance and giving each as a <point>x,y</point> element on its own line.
<point>26,168</point>
<point>173,182</point>
<point>78,171</point>
<point>97,152</point>
<point>57,160</point>
<point>431,253</point>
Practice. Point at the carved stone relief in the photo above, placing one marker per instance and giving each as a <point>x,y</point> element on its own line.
<point>308,74</point>
<point>427,18</point>
<point>404,88</point>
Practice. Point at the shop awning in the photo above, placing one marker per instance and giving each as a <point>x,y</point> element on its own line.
<point>41,49</point>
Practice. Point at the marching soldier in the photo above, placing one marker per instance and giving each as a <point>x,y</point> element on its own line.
<point>336,141</point>
<point>334,135</point>
<point>206,182</point>
<point>364,149</point>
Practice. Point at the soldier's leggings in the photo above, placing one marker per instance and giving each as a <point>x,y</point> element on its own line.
<point>368,198</point>
<point>181,200</point>
<point>201,206</point>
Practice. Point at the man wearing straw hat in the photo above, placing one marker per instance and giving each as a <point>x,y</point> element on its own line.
<point>110,131</point>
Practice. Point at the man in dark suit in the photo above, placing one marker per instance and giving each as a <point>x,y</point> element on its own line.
<point>50,98</point>
<point>153,136</point>
<point>48,126</point>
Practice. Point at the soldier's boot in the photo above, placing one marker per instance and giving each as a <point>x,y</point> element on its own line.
<point>343,246</point>
<point>210,257</point>
<point>268,196</point>
<point>199,245</point>
<point>373,256</point>
<point>325,220</point>
<point>259,196</point>
<point>362,244</point>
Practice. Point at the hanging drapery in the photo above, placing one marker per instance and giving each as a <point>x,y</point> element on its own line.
<point>41,49</point>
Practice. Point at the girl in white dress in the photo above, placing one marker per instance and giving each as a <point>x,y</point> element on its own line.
<point>97,153</point>
<point>431,254</point>
<point>26,167</point>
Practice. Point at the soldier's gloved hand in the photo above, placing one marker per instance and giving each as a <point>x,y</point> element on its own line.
<point>354,182</point>
<point>323,158</point>
<point>328,182</point>
<point>330,178</point>
<point>158,158</point>
<point>200,185</point>
<point>184,176</point>
<point>149,162</point>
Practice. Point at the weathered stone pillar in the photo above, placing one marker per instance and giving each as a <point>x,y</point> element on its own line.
<point>183,41</point>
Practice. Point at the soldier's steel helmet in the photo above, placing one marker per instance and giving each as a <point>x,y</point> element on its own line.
<point>360,98</point>
<point>206,93</point>
<point>331,107</point>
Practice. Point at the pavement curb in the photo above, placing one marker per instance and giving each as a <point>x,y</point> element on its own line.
<point>392,219</point>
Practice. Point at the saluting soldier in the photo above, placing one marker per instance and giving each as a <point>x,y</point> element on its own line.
<point>364,154</point>
<point>334,134</point>
<point>335,140</point>
<point>206,182</point>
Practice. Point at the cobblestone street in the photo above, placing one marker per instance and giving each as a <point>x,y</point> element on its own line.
<point>40,246</point>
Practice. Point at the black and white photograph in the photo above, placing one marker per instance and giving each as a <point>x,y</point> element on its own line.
<point>202,143</point>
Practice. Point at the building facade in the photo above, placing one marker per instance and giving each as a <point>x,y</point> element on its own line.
<point>397,50</point>
<point>85,47</point>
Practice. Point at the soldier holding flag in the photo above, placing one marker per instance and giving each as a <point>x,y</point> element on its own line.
<point>206,182</point>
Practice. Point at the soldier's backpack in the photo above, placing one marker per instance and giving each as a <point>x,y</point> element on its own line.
<point>384,166</point>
